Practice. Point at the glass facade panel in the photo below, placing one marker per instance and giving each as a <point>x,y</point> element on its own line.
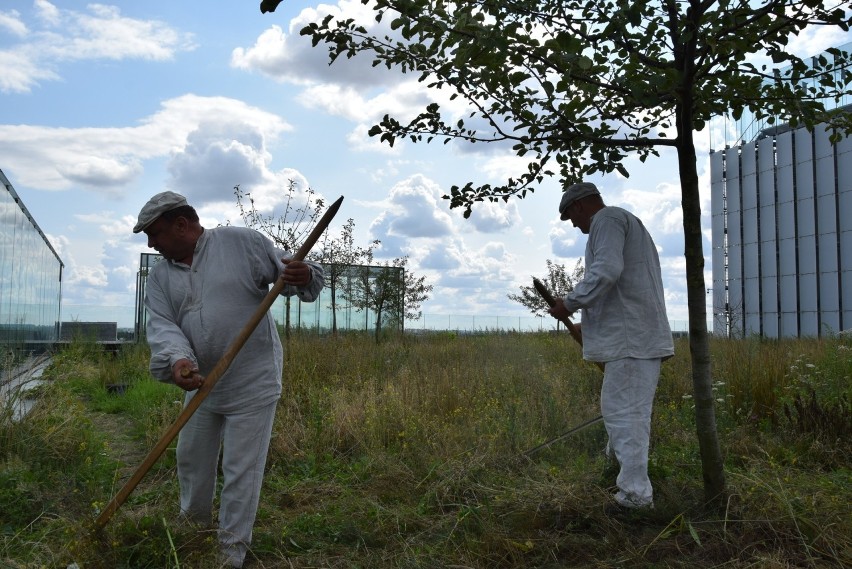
<point>30,275</point>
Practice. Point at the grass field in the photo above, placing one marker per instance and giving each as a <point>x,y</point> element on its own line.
<point>411,454</point>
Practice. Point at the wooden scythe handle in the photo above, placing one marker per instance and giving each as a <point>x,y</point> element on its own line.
<point>218,370</point>
<point>548,298</point>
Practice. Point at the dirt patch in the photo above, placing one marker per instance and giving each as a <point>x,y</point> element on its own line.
<point>122,445</point>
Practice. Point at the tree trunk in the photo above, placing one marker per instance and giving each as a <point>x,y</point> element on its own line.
<point>334,305</point>
<point>699,341</point>
<point>287,318</point>
<point>378,324</point>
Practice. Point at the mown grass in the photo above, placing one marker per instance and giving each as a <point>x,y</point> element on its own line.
<point>410,454</point>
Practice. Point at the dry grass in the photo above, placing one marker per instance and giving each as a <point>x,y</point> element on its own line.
<point>410,454</point>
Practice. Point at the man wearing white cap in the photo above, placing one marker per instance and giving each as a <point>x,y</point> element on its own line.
<point>198,299</point>
<point>624,326</point>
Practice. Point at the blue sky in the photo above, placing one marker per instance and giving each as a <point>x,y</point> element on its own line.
<point>104,105</point>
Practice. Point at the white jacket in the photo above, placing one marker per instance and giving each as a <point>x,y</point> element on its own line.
<point>621,294</point>
<point>196,312</point>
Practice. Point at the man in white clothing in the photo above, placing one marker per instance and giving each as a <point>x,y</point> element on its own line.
<point>624,326</point>
<point>198,299</point>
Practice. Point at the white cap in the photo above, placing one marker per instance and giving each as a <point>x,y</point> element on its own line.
<point>157,206</point>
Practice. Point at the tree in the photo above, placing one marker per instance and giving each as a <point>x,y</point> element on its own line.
<point>389,290</point>
<point>557,281</point>
<point>584,84</point>
<point>338,256</point>
<point>289,229</point>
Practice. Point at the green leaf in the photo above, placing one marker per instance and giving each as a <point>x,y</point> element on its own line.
<point>693,533</point>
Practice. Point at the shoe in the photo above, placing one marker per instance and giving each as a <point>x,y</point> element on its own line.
<point>620,508</point>
<point>632,502</point>
<point>225,561</point>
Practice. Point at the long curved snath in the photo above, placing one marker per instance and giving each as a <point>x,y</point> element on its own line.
<point>218,370</point>
<point>575,333</point>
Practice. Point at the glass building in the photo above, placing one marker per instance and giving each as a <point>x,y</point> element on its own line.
<point>781,201</point>
<point>30,275</point>
<point>351,300</point>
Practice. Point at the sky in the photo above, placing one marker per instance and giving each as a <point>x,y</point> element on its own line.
<point>103,105</point>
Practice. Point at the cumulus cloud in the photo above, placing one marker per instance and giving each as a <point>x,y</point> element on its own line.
<point>218,156</point>
<point>68,35</point>
<point>565,242</point>
<point>478,281</point>
<point>103,173</point>
<point>77,276</point>
<point>350,88</point>
<point>287,56</point>
<point>468,278</point>
<point>440,256</point>
<point>106,159</point>
<point>495,217</point>
<point>412,210</point>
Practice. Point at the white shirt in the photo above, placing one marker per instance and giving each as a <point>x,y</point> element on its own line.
<point>196,312</point>
<point>621,294</point>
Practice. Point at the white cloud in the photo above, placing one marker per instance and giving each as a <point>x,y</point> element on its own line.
<point>287,56</point>
<point>495,217</point>
<point>359,140</point>
<point>503,166</point>
<point>105,159</point>
<point>350,88</point>
<point>47,12</point>
<point>479,282</point>
<point>813,40</point>
<point>218,156</point>
<point>68,35</point>
<point>564,240</point>
<point>12,23</point>
<point>440,257</point>
<point>76,275</point>
<point>21,73</point>
<point>390,169</point>
<point>412,210</point>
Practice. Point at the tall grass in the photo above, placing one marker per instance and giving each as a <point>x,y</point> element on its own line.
<point>411,453</point>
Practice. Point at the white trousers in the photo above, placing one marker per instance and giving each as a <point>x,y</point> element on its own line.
<point>627,397</point>
<point>244,441</point>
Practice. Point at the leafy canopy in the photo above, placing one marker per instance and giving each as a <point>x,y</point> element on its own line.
<point>578,85</point>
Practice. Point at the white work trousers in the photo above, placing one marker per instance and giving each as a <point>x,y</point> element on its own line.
<point>627,397</point>
<point>244,440</point>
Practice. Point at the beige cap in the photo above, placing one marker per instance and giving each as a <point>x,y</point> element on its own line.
<point>574,193</point>
<point>157,206</point>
